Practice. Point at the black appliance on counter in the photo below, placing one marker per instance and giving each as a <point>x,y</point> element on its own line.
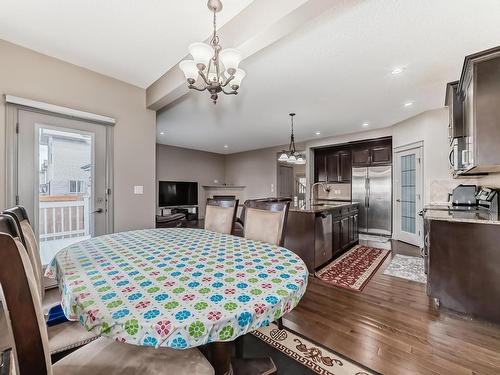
<point>488,199</point>
<point>464,195</point>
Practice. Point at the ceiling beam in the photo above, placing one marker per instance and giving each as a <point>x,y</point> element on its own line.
<point>256,27</point>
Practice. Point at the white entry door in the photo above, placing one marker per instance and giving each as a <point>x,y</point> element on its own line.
<point>408,195</point>
<point>62,179</point>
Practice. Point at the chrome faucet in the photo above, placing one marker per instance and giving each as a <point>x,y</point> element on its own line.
<point>324,185</point>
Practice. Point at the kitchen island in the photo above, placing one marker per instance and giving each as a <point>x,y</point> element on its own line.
<point>321,231</point>
<point>463,260</point>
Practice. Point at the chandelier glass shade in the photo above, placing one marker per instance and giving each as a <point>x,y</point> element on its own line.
<point>291,155</point>
<point>212,68</point>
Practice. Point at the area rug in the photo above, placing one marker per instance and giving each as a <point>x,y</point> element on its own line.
<point>406,267</point>
<point>310,355</point>
<point>355,268</point>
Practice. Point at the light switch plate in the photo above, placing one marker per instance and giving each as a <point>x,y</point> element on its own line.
<point>139,189</point>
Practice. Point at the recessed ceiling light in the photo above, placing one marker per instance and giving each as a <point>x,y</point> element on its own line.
<point>397,70</point>
<point>318,133</point>
<point>365,124</point>
<point>226,146</point>
<point>408,104</point>
<point>162,133</point>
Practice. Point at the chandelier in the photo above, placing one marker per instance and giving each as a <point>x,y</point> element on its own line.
<point>291,156</point>
<point>217,67</point>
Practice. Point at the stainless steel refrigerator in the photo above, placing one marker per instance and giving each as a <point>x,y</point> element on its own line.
<point>372,189</point>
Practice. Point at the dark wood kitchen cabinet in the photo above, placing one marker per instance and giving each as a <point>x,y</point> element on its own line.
<point>337,235</point>
<point>361,156</point>
<point>372,153</point>
<point>345,230</point>
<point>454,103</point>
<point>320,166</point>
<point>464,265</point>
<point>381,154</point>
<point>345,166</point>
<point>332,165</point>
<point>479,87</point>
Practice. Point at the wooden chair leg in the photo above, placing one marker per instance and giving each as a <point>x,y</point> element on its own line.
<point>239,347</point>
<point>279,322</point>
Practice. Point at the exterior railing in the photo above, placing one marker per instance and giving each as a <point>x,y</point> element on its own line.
<point>63,217</point>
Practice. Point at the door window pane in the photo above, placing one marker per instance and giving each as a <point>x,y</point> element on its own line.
<point>65,175</point>
<point>408,193</point>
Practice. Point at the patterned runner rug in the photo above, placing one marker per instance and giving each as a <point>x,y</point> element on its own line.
<point>406,267</point>
<point>355,268</point>
<point>318,359</point>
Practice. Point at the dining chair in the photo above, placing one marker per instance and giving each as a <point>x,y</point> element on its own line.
<point>265,220</point>
<point>101,357</point>
<point>220,215</point>
<point>62,336</point>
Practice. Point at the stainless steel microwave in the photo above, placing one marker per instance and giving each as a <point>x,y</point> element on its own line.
<point>457,148</point>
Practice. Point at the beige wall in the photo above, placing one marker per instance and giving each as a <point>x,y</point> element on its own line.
<point>182,164</point>
<point>31,75</point>
<point>257,170</point>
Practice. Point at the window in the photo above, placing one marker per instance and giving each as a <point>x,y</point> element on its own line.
<point>76,186</point>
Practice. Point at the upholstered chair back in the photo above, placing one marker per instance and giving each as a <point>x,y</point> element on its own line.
<point>30,243</point>
<point>265,220</point>
<point>22,304</point>
<point>220,215</point>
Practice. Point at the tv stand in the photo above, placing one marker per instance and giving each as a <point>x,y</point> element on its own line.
<point>186,210</point>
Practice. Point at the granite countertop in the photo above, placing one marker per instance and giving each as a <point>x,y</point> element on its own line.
<point>461,215</point>
<point>319,206</point>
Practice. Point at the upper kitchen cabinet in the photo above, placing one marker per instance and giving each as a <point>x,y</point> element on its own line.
<point>479,88</point>
<point>345,166</point>
<point>454,103</point>
<point>361,155</point>
<point>320,166</point>
<point>372,153</point>
<point>332,165</point>
<point>381,153</point>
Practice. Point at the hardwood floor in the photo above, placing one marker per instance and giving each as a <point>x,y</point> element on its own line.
<point>393,327</point>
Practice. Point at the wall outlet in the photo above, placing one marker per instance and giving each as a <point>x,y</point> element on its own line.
<point>139,190</point>
<point>272,188</point>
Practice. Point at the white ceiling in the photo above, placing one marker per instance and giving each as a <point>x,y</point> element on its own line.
<point>135,41</point>
<point>335,73</point>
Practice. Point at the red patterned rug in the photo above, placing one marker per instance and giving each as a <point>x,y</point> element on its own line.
<point>355,268</point>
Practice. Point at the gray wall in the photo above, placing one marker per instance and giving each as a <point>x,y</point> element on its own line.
<point>31,75</point>
<point>182,164</point>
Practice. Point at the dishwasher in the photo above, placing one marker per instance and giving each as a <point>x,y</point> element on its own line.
<point>323,238</point>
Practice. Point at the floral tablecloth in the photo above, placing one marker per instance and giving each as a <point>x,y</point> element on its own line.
<point>176,287</point>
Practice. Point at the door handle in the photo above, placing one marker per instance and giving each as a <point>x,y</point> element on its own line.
<point>398,200</point>
<point>98,211</point>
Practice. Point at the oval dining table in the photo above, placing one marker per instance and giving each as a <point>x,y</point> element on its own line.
<point>176,287</point>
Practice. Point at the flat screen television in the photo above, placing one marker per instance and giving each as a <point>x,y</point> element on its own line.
<point>177,193</point>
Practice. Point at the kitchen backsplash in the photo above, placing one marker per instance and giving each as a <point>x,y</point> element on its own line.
<point>439,189</point>
<point>340,192</point>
